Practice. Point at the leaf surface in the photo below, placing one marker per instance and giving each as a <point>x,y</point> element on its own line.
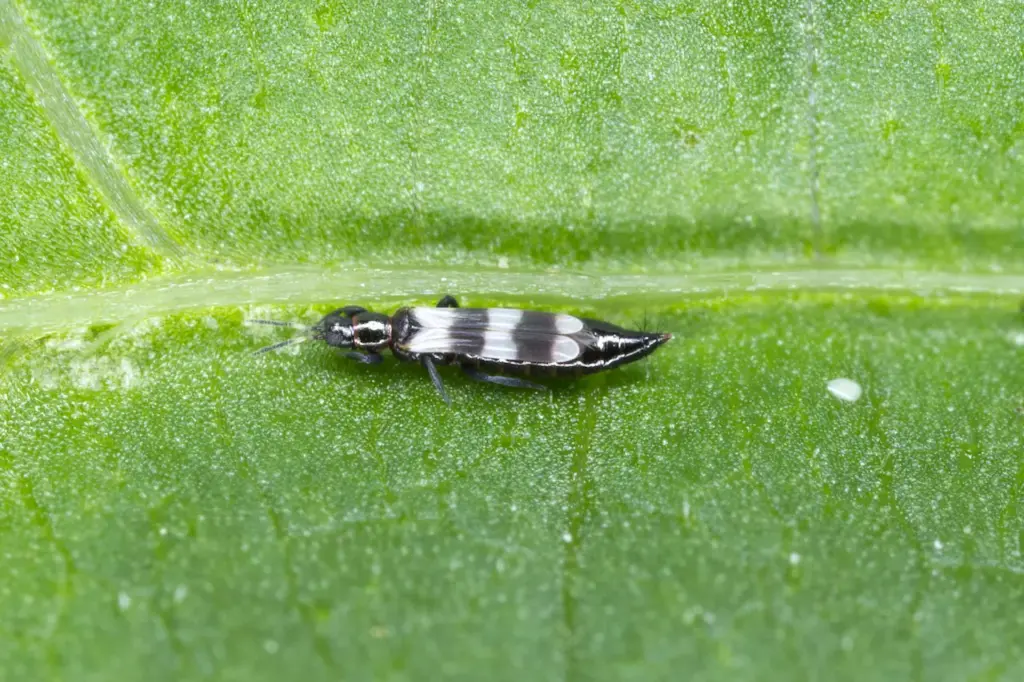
<point>798,191</point>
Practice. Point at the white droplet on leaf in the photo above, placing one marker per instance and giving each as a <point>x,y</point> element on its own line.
<point>846,390</point>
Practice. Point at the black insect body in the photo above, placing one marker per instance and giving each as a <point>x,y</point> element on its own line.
<point>507,340</point>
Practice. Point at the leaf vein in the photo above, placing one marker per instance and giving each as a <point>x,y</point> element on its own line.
<point>78,136</point>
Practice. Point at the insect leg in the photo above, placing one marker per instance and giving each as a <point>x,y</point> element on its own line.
<point>477,375</point>
<point>428,362</point>
<point>365,358</point>
<point>448,302</point>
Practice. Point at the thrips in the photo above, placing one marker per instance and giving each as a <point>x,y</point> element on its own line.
<point>507,340</point>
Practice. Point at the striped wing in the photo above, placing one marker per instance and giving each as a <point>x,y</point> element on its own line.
<point>498,334</point>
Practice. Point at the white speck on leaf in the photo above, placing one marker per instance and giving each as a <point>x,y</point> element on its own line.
<point>84,374</point>
<point>567,537</point>
<point>73,344</point>
<point>846,390</point>
<point>124,601</point>
<point>794,559</point>
<point>128,373</point>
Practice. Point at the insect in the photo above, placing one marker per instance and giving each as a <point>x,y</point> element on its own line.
<point>509,340</point>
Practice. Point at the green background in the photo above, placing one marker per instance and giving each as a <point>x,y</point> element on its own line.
<point>799,191</point>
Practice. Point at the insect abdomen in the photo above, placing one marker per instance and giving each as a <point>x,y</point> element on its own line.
<point>519,341</point>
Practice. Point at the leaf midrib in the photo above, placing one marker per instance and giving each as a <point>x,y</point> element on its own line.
<point>315,285</point>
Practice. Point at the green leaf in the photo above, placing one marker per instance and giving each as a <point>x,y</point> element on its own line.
<point>799,191</point>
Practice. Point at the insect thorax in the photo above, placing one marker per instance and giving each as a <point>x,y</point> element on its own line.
<point>372,331</point>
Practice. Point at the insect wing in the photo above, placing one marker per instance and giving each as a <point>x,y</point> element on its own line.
<point>496,319</point>
<point>499,334</point>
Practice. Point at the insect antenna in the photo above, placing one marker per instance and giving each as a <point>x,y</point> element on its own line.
<point>310,333</point>
<point>278,323</point>
<point>281,344</point>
